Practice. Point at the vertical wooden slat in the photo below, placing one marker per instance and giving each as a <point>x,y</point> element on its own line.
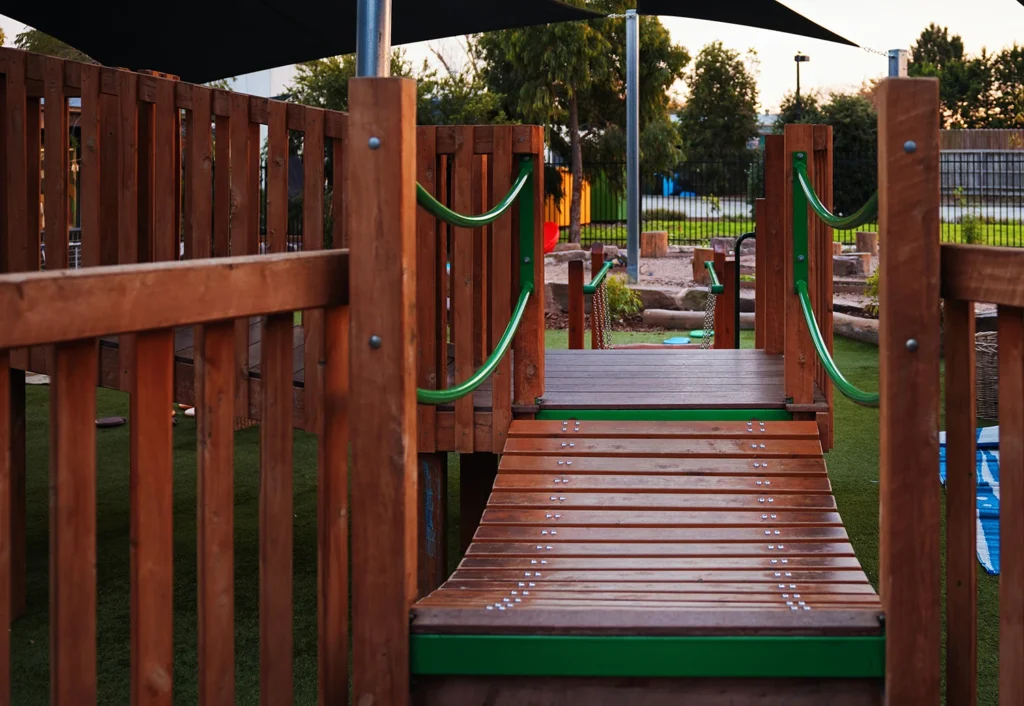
<point>253,170</point>
<point>721,302</point>
<point>222,187</point>
<point>110,171</point>
<point>198,184</point>
<point>16,491</point>
<point>382,227</point>
<point>577,321</point>
<point>19,255</point>
<point>427,304</point>
<point>277,178</point>
<point>731,273</point>
<point>800,357</point>
<point>152,527</point>
<point>34,220</point>
<point>6,505</point>
<point>275,536</point>
<point>240,210</point>
<point>529,343</point>
<point>165,228</point>
<point>462,285</point>
<point>128,202</point>
<point>339,236</point>
<point>215,383</point>
<point>500,163</point>
<point>760,271</point>
<point>909,583</point>
<point>1011,496</point>
<point>961,506</point>
<point>146,168</point>
<point>313,239</point>
<point>90,171</point>
<point>775,248</point>
<point>55,158</point>
<point>73,524</point>
<point>179,239</point>
<point>332,513</point>
<point>481,344</point>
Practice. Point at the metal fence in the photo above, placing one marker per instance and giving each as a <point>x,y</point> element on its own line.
<point>982,198</point>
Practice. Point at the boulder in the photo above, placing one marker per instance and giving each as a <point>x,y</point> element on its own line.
<point>567,256</point>
<point>849,266</point>
<point>746,301</point>
<point>558,293</point>
<point>655,297</point>
<point>864,330</point>
<point>610,252</point>
<point>692,299</point>
<point>552,305</point>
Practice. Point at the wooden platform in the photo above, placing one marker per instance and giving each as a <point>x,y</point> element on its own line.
<point>658,528</point>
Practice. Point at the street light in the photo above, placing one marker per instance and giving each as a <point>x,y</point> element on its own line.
<point>799,59</point>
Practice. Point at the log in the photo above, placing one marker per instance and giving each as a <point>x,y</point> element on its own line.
<point>867,242</point>
<point>700,256</point>
<point>654,244</point>
<point>687,320</point>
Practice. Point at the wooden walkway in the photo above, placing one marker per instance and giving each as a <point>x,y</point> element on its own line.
<point>665,528</point>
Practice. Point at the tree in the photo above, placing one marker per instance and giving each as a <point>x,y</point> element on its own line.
<point>809,111</point>
<point>1008,87</point>
<point>41,43</point>
<point>965,84</point>
<point>720,114</point>
<point>855,149</point>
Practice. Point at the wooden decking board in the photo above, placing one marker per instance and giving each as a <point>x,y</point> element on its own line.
<point>654,530</point>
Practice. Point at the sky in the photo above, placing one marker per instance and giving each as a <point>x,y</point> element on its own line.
<point>876,25</point>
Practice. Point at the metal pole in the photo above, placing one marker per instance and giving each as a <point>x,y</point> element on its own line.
<point>898,59</point>
<point>799,108</point>
<point>373,38</point>
<point>632,145</point>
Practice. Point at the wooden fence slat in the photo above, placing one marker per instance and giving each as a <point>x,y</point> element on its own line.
<point>6,506</point>
<point>16,490</point>
<point>152,525</point>
<point>333,514</point>
<point>146,168</point>
<point>277,179</point>
<point>774,244</point>
<point>166,135</point>
<point>19,246</point>
<point>961,506</point>
<point>821,263</point>
<point>500,163</point>
<point>73,524</point>
<point>909,583</point>
<point>276,514</point>
<point>55,159</point>
<point>462,286</point>
<point>252,233</point>
<point>528,347</point>
<point>760,271</point>
<point>34,221</point>
<point>90,170</point>
<point>1011,496</point>
<point>382,227</point>
<point>222,186</point>
<point>313,239</point>
<point>480,195</point>
<point>110,172</point>
<point>800,357</point>
<point>215,381</point>
<point>240,211</point>
<point>128,202</point>
<point>198,183</point>
<point>427,304</point>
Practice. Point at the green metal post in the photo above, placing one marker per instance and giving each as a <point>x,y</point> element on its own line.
<point>800,254</point>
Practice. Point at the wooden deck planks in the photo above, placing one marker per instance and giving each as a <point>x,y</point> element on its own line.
<point>663,547</point>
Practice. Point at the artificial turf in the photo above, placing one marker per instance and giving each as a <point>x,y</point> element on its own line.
<point>853,469</point>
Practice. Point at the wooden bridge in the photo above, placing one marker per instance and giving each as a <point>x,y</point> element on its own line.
<point>661,535</point>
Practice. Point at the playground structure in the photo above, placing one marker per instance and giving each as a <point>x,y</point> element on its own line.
<point>670,535</point>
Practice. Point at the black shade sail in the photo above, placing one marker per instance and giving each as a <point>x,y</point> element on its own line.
<point>764,14</point>
<point>203,41</point>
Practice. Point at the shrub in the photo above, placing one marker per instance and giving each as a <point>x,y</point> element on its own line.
<point>622,301</point>
<point>663,214</point>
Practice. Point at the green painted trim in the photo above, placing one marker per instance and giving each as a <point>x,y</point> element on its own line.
<point>527,237</point>
<point>865,399</point>
<point>666,415</point>
<point>864,214</point>
<point>716,286</point>
<point>650,657</point>
<point>439,210</point>
<point>800,217</point>
<point>598,279</point>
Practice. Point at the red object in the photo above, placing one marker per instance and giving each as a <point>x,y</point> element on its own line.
<point>551,233</point>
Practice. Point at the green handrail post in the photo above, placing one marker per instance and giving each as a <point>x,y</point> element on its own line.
<point>800,254</point>
<point>598,279</point>
<point>716,286</point>
<point>863,215</point>
<point>439,210</point>
<point>866,399</point>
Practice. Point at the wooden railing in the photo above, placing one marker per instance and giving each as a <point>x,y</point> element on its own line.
<point>66,314</point>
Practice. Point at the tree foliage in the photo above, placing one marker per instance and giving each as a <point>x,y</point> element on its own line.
<point>41,43</point>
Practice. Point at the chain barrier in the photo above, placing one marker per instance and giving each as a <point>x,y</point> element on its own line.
<point>600,318</point>
<point>709,320</point>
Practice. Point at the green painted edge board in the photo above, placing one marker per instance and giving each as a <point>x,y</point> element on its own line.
<point>630,656</point>
<point>666,415</point>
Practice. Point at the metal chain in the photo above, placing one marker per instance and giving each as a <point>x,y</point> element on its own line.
<point>709,320</point>
<point>606,339</point>
<point>599,317</point>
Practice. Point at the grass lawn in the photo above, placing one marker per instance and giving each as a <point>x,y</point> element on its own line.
<point>853,468</point>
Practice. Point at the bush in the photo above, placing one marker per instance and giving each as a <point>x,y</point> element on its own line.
<point>663,214</point>
<point>622,301</point>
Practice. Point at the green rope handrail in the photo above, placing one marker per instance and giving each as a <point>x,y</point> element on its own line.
<point>439,210</point>
<point>436,397</point>
<point>866,212</point>
<point>598,279</point>
<point>716,286</point>
<point>866,399</point>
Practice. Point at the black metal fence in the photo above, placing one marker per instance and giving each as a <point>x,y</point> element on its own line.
<point>982,198</point>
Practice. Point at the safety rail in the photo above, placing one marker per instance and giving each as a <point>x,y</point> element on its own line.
<point>716,286</point>
<point>600,322</point>
<point>439,210</point>
<point>598,279</point>
<point>864,214</point>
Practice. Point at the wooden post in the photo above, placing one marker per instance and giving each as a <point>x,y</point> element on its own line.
<point>774,244</point>
<point>502,266</point>
<point>382,230</point>
<point>721,304</point>
<point>799,350</point>
<point>700,256</point>
<point>908,159</point>
<point>867,242</point>
<point>528,346</point>
<point>760,271</point>
<point>577,322</point>
<point>654,244</point>
<point>728,298</point>
<point>597,333</point>
<point>821,243</point>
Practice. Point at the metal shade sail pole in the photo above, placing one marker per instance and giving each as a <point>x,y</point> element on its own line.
<point>632,145</point>
<point>373,38</point>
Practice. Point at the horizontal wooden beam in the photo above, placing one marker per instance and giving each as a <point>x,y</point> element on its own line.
<point>51,307</point>
<point>983,274</point>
